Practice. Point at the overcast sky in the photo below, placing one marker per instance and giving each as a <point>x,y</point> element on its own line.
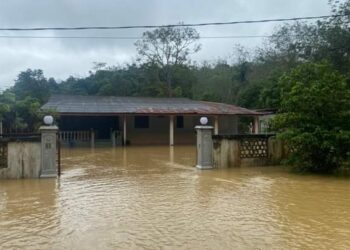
<point>61,58</point>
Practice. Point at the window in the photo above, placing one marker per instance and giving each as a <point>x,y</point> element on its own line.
<point>141,122</point>
<point>179,122</point>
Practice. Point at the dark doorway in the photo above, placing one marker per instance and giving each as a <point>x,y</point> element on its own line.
<point>102,125</point>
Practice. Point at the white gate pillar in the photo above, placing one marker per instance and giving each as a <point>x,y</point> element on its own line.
<point>204,145</point>
<point>48,151</point>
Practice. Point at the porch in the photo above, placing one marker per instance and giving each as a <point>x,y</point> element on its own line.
<point>139,129</point>
<point>142,120</point>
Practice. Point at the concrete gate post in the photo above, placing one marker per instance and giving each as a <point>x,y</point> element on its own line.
<point>48,151</point>
<point>204,147</point>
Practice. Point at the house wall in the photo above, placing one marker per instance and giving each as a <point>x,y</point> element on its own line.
<point>228,125</point>
<point>158,131</point>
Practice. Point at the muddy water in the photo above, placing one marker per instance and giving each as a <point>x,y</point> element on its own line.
<point>152,198</point>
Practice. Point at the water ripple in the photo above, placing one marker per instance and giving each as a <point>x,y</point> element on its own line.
<point>146,198</point>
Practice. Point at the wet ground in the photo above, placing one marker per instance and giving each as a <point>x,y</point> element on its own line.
<point>153,198</point>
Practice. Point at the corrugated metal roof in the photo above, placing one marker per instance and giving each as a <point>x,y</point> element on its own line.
<point>94,105</point>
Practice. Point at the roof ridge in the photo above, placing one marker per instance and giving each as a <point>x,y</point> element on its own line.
<point>93,104</point>
<point>104,96</point>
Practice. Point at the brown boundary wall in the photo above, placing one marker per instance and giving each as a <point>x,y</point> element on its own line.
<point>23,160</point>
<point>227,151</point>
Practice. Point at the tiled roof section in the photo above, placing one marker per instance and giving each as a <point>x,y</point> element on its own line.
<point>77,104</point>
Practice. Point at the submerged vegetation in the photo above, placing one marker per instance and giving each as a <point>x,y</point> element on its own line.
<point>303,72</point>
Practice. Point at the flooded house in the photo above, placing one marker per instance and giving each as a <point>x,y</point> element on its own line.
<point>141,120</point>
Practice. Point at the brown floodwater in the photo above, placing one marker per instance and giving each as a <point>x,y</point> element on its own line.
<point>153,198</point>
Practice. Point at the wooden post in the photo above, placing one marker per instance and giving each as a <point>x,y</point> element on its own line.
<point>171,154</point>
<point>1,132</point>
<point>125,157</point>
<point>216,125</point>
<point>92,142</point>
<point>256,125</point>
<point>171,131</point>
<point>113,138</point>
<point>124,131</point>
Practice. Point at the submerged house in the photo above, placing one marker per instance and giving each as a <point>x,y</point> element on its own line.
<point>141,120</point>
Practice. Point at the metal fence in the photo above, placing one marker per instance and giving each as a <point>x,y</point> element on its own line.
<point>3,154</point>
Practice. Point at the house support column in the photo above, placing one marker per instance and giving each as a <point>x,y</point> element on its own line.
<point>216,125</point>
<point>113,133</point>
<point>124,131</point>
<point>256,125</point>
<point>92,138</point>
<point>171,131</point>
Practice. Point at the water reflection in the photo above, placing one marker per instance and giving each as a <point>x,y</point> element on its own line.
<point>153,197</point>
<point>24,205</point>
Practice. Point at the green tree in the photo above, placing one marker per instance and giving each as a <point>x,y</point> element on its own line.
<point>327,39</point>
<point>168,47</point>
<point>32,83</point>
<point>314,118</point>
<point>28,111</point>
<point>20,105</point>
<point>7,99</point>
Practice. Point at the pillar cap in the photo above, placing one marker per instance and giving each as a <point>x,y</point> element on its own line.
<point>203,127</point>
<point>48,128</point>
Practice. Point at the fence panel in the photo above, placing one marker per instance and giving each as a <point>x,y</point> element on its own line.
<point>254,147</point>
<point>3,154</point>
<point>71,136</point>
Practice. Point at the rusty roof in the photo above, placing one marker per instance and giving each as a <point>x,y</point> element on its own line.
<point>99,105</point>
